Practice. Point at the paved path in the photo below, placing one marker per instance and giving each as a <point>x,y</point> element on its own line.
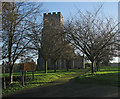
<point>68,88</point>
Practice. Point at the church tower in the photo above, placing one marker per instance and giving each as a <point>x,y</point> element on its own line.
<point>52,24</point>
<point>52,29</point>
<point>53,41</point>
<point>53,19</point>
<point>52,36</point>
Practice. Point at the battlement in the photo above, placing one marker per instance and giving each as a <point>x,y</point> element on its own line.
<point>53,13</point>
<point>54,18</point>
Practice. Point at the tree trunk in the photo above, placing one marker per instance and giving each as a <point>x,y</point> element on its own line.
<point>97,66</point>
<point>84,61</point>
<point>55,63</point>
<point>92,67</point>
<point>11,76</point>
<point>45,65</point>
<point>67,65</point>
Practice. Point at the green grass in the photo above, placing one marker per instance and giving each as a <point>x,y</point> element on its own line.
<point>106,76</point>
<point>71,71</point>
<point>40,78</point>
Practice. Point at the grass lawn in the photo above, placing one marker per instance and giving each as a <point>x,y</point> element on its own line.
<point>40,78</point>
<point>106,76</point>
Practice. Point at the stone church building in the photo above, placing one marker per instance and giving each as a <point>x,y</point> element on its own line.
<point>53,25</point>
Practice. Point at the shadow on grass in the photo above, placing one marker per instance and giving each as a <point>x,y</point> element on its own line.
<point>75,87</point>
<point>97,79</point>
<point>65,70</point>
<point>36,82</point>
<point>109,70</point>
<point>110,79</point>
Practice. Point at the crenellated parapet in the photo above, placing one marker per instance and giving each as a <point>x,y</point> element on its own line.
<point>53,13</point>
<point>54,18</point>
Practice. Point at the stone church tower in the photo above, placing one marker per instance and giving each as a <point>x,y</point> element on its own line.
<point>52,26</point>
<point>53,19</point>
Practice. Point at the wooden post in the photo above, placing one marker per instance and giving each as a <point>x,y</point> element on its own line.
<point>24,75</point>
<point>45,65</point>
<point>4,77</point>
<point>33,75</point>
<point>23,82</point>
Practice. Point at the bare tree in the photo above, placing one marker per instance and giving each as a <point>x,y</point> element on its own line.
<point>35,35</point>
<point>91,34</point>
<point>105,58</point>
<point>16,17</point>
<point>68,55</point>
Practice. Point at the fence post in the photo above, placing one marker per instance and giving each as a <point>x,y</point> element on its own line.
<point>33,75</point>
<point>24,75</point>
<point>23,81</point>
<point>4,77</point>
